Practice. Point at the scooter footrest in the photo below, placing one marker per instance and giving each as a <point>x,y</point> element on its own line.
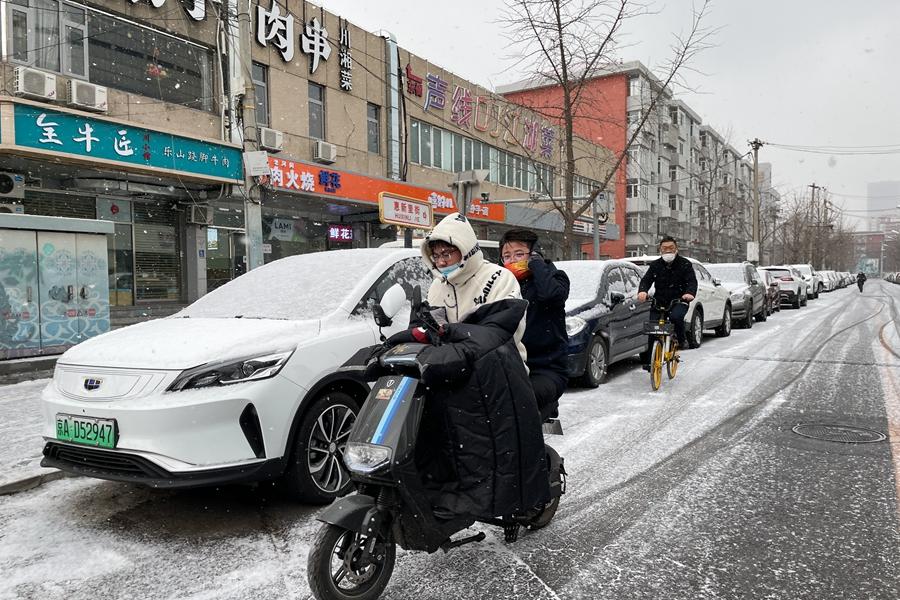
<point>450,544</point>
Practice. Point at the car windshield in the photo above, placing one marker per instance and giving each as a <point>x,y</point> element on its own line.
<point>803,269</point>
<point>779,272</point>
<point>308,286</point>
<point>726,273</point>
<point>584,280</point>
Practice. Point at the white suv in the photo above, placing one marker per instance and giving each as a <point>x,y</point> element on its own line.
<point>791,285</point>
<point>814,284</point>
<point>711,309</point>
<point>242,385</point>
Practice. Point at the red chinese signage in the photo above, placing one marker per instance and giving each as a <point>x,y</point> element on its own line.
<point>304,178</point>
<point>340,232</point>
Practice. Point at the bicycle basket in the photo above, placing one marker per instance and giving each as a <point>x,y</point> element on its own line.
<point>654,328</point>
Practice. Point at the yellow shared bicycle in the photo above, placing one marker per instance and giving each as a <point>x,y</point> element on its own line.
<point>664,349</point>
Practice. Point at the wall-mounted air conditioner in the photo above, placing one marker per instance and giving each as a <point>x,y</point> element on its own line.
<point>86,95</point>
<point>35,84</point>
<point>12,185</point>
<point>271,139</point>
<point>324,152</point>
<point>200,214</point>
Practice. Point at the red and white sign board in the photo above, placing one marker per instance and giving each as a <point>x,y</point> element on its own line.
<point>405,212</point>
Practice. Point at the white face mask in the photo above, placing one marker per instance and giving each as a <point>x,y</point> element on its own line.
<point>668,257</point>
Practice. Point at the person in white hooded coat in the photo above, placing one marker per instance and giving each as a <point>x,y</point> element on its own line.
<point>464,280</point>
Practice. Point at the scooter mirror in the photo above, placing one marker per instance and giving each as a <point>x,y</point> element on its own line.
<point>391,303</point>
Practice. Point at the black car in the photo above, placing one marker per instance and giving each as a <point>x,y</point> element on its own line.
<point>604,322</point>
<point>748,295</point>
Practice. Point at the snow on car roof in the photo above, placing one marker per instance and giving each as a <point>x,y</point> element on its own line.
<point>584,279</point>
<point>305,286</point>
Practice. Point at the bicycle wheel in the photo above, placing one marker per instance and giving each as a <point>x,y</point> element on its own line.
<point>656,364</point>
<point>672,358</point>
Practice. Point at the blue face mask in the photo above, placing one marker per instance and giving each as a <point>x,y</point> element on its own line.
<point>445,271</point>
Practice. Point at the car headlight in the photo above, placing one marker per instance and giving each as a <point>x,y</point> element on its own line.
<point>365,458</point>
<point>738,297</point>
<point>575,325</point>
<point>233,371</point>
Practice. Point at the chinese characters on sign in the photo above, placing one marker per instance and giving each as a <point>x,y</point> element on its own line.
<point>273,26</point>
<point>405,211</point>
<point>437,92</point>
<point>197,10</point>
<point>346,58</point>
<point>340,232</point>
<point>461,108</point>
<point>77,135</point>
<point>413,82</point>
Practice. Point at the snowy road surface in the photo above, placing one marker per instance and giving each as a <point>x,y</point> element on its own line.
<point>700,490</point>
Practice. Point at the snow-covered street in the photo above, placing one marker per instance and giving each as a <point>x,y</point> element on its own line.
<point>698,490</point>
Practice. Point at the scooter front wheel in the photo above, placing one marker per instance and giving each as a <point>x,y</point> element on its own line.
<point>342,567</point>
<point>543,518</point>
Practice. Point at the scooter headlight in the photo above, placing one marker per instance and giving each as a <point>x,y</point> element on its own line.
<point>365,458</point>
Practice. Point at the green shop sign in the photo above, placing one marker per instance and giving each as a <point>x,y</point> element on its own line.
<point>76,135</point>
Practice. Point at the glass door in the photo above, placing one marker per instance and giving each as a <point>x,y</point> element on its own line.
<point>58,282</point>
<point>20,333</point>
<point>92,302</point>
<point>226,256</point>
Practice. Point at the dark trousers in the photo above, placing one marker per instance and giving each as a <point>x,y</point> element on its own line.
<point>676,317</point>
<point>548,387</point>
<point>860,284</point>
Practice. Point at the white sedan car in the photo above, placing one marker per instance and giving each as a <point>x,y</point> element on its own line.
<point>242,385</point>
<point>710,309</point>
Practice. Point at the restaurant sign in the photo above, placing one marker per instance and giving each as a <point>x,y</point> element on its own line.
<point>84,137</point>
<point>405,212</point>
<point>300,177</point>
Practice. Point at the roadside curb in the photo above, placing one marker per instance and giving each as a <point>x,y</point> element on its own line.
<point>29,483</point>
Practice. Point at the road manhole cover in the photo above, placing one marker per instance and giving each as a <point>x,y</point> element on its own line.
<point>838,433</point>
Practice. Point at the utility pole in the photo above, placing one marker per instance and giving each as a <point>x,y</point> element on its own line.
<point>756,144</point>
<point>249,137</point>
<point>809,228</point>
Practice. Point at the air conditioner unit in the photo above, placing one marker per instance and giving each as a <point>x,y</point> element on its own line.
<point>201,214</point>
<point>9,208</point>
<point>324,152</point>
<point>86,95</point>
<point>35,84</point>
<point>271,139</point>
<point>12,185</point>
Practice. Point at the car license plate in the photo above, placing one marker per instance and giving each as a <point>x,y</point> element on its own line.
<point>102,433</point>
<point>657,329</point>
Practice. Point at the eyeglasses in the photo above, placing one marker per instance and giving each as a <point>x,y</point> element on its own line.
<point>446,255</point>
<point>515,257</point>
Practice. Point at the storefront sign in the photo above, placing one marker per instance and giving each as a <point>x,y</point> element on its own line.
<point>340,232</point>
<point>282,229</point>
<point>346,58</point>
<point>273,26</point>
<point>405,211</point>
<point>300,177</point>
<point>195,8</point>
<point>87,137</point>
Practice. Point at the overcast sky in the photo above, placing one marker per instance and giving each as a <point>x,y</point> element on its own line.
<point>794,72</point>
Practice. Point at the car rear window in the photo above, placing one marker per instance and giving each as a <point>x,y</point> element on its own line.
<point>779,272</point>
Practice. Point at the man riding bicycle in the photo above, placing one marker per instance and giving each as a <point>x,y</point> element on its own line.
<point>674,278</point>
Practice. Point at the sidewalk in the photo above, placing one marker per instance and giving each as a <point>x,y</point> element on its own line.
<point>20,432</point>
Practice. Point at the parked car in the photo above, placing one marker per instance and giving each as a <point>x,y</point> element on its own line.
<point>829,280</point>
<point>604,322</point>
<point>790,283</point>
<point>710,309</point>
<point>773,292</point>
<point>748,295</point>
<point>242,385</point>
<point>814,285</point>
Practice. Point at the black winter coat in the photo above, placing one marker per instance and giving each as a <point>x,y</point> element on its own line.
<point>545,339</point>
<point>481,413</point>
<point>672,280</point>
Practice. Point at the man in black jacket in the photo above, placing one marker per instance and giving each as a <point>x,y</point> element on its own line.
<point>674,277</point>
<point>546,288</point>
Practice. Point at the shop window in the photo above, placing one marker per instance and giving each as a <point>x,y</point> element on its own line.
<point>141,60</point>
<point>316,111</point>
<point>260,77</point>
<point>156,253</point>
<point>438,136</point>
<point>120,254</point>
<point>414,136</point>
<point>426,145</point>
<point>373,129</point>
<point>457,153</point>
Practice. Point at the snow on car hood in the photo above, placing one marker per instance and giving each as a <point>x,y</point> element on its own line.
<point>735,286</point>
<point>178,343</point>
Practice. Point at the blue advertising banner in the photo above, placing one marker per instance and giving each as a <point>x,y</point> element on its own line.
<point>87,137</point>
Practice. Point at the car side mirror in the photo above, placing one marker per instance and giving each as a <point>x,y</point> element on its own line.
<point>391,303</point>
<point>717,281</point>
<point>754,281</point>
<point>616,298</point>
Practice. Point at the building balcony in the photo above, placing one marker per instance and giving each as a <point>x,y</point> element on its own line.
<point>664,212</point>
<point>637,205</point>
<point>674,187</point>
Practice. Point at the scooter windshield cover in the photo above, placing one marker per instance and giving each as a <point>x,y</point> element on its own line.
<point>390,416</point>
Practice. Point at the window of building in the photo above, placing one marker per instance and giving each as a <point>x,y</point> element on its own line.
<point>631,189</point>
<point>438,147</point>
<point>673,201</point>
<point>634,86</point>
<point>414,140</point>
<point>681,148</point>
<point>316,111</point>
<point>260,77</point>
<point>673,172</point>
<point>373,132</point>
<point>425,156</point>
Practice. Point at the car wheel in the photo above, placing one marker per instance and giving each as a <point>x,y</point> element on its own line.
<point>597,363</point>
<point>804,301</point>
<point>724,330</point>
<point>695,335</point>
<point>316,473</point>
<point>796,302</point>
<point>763,315</point>
<point>748,318</point>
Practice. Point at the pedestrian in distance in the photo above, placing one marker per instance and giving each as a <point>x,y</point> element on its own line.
<point>546,288</point>
<point>861,280</point>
